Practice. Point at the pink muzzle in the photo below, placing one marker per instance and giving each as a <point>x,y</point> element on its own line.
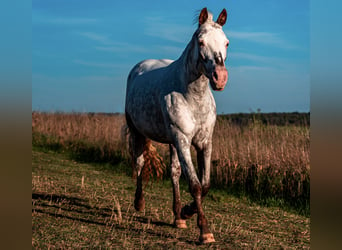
<point>219,78</point>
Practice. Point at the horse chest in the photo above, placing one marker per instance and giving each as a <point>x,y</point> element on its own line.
<point>195,120</point>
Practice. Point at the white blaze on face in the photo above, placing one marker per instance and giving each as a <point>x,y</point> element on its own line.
<point>213,41</point>
<point>213,45</point>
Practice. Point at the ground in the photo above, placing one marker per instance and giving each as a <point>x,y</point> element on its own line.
<point>78,205</point>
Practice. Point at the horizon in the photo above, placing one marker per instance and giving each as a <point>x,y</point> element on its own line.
<point>252,112</point>
<point>81,54</point>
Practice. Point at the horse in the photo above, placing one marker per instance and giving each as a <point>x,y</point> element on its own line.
<point>171,102</point>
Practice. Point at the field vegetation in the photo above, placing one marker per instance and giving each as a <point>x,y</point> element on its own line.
<point>82,189</point>
<point>264,161</point>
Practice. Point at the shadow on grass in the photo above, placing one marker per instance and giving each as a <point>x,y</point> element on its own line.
<point>146,220</point>
<point>58,198</point>
<point>68,207</point>
<point>78,210</point>
<point>63,216</point>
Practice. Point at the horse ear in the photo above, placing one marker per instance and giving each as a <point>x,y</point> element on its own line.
<point>203,16</point>
<point>221,20</point>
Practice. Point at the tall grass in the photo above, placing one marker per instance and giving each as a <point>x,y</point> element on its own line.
<point>263,160</point>
<point>90,137</point>
<point>256,159</point>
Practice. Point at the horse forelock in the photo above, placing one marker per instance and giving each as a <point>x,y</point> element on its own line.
<point>210,17</point>
<point>201,31</point>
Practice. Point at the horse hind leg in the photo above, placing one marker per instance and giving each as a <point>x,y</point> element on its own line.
<point>137,144</point>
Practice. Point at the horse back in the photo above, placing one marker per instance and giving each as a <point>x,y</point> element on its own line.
<point>147,66</point>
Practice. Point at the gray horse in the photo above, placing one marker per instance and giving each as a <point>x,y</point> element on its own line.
<point>171,102</point>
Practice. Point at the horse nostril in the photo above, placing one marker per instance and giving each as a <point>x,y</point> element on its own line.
<point>218,58</point>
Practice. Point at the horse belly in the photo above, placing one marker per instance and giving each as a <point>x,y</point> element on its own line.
<point>152,126</point>
<point>150,123</point>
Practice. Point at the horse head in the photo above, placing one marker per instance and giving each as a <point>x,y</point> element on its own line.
<point>212,44</point>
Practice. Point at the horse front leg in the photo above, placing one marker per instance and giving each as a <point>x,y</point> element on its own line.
<point>175,174</point>
<point>204,164</point>
<point>195,187</point>
<point>203,160</point>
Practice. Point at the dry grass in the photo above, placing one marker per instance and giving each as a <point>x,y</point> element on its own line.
<point>90,137</point>
<point>257,159</point>
<point>94,128</point>
<point>263,159</point>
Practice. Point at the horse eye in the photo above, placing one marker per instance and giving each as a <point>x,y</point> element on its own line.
<point>227,44</point>
<point>201,43</point>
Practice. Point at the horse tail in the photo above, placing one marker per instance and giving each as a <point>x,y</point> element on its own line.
<point>153,162</point>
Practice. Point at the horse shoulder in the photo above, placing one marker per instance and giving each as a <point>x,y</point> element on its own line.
<point>178,114</point>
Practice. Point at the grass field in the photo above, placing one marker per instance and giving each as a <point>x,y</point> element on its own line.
<point>76,204</point>
<point>266,158</point>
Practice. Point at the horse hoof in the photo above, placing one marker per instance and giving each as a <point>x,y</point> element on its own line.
<point>139,205</point>
<point>180,223</point>
<point>207,238</point>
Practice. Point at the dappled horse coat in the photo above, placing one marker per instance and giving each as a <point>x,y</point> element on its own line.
<point>171,102</point>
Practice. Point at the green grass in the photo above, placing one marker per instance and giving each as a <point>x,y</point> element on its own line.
<point>89,205</point>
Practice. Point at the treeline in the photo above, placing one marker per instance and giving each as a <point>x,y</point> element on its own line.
<point>243,119</point>
<point>280,119</point>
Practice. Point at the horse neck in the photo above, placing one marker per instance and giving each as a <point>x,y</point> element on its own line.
<point>194,81</point>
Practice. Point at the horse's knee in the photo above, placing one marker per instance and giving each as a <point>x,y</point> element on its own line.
<point>175,171</point>
<point>195,189</point>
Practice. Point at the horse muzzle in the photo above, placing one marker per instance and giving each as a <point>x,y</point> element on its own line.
<point>219,78</point>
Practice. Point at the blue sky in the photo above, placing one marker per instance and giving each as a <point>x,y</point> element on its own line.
<point>82,51</point>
